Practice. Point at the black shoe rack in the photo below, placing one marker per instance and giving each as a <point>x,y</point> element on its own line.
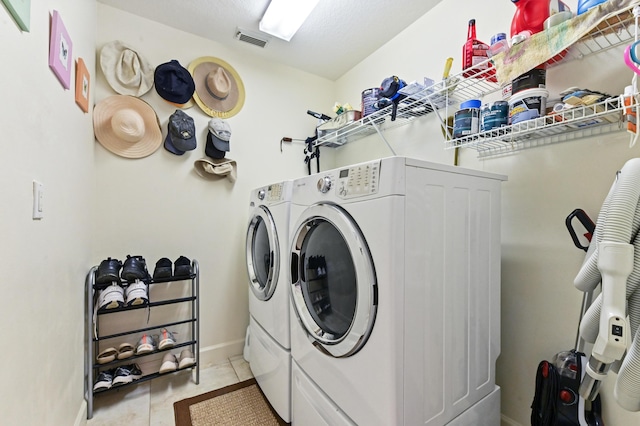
<point>185,318</point>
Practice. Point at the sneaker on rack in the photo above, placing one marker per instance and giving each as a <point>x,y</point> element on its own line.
<point>182,267</point>
<point>108,272</point>
<point>169,363</point>
<point>167,340</point>
<point>111,297</point>
<point>146,345</point>
<point>186,359</point>
<point>163,269</point>
<point>126,374</point>
<point>104,381</point>
<point>137,294</point>
<point>135,267</point>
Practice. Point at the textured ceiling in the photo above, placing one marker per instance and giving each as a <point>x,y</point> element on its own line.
<point>338,34</point>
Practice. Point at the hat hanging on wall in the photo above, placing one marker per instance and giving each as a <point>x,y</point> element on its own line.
<point>127,126</point>
<point>218,138</point>
<point>126,71</point>
<point>216,168</point>
<point>181,133</point>
<point>219,88</point>
<point>174,84</point>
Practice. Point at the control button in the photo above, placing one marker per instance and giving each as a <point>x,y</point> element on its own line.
<point>566,396</point>
<point>616,330</point>
<point>261,194</point>
<point>324,184</point>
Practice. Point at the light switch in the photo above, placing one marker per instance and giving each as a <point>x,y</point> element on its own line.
<point>38,193</point>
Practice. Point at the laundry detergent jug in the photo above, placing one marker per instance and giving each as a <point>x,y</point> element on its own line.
<point>530,16</point>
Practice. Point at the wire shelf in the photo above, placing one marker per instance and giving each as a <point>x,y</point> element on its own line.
<point>578,122</point>
<point>476,83</point>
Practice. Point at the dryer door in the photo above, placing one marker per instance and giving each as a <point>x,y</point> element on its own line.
<point>263,253</point>
<point>334,289</point>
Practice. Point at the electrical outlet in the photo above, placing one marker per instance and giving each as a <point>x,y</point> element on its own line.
<point>38,193</point>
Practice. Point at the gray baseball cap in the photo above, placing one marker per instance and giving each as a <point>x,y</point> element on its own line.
<point>181,135</point>
<point>220,133</point>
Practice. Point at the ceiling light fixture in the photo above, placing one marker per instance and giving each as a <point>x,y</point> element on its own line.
<point>284,17</point>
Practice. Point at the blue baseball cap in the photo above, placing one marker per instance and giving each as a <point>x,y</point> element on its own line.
<point>181,135</point>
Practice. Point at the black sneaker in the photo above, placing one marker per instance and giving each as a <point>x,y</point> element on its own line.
<point>126,374</point>
<point>182,267</point>
<point>108,272</point>
<point>163,269</point>
<point>104,381</point>
<point>135,268</point>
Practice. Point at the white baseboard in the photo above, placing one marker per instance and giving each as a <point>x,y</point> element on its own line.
<point>217,354</point>
<point>506,421</point>
<point>81,418</point>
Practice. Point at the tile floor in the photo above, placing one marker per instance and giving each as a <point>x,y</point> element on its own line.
<point>151,403</point>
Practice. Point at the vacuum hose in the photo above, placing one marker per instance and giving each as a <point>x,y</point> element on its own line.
<point>614,261</point>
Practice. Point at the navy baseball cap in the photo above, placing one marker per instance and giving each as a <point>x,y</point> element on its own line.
<point>181,135</point>
<point>173,82</point>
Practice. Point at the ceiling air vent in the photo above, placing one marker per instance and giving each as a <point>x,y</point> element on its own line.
<point>248,37</point>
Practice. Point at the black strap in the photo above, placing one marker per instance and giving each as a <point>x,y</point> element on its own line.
<point>543,408</point>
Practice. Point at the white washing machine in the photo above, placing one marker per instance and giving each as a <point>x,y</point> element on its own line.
<point>395,295</point>
<point>267,249</point>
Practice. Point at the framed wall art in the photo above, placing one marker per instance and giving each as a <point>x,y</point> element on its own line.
<point>60,50</point>
<point>83,80</point>
<point>21,12</point>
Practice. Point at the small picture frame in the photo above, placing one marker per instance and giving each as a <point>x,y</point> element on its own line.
<point>83,83</point>
<point>20,11</point>
<point>60,51</point>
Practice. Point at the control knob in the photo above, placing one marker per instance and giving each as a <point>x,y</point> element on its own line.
<point>324,184</point>
<point>261,194</point>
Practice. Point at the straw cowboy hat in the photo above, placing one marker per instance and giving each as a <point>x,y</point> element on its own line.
<point>127,126</point>
<point>126,71</point>
<point>219,89</point>
<point>216,168</point>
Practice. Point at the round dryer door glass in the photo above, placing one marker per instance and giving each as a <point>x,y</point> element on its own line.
<point>333,282</point>
<point>262,254</point>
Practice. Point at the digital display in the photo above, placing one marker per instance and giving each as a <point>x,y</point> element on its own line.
<point>344,173</point>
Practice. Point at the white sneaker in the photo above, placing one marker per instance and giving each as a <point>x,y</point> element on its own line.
<point>137,294</point>
<point>169,363</point>
<point>186,359</point>
<point>111,297</point>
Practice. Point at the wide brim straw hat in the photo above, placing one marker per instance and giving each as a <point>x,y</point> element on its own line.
<point>126,70</point>
<point>127,126</point>
<point>219,89</point>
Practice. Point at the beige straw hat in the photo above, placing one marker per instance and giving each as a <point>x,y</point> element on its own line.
<point>126,70</point>
<point>127,126</point>
<point>219,88</point>
<point>216,168</point>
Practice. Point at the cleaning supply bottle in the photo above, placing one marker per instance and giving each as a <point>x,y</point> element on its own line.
<point>584,5</point>
<point>529,17</point>
<point>474,52</point>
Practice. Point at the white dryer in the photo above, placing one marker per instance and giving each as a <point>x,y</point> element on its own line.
<point>395,280</point>
<point>267,260</point>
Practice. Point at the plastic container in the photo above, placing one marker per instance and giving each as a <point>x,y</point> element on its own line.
<point>584,5</point>
<point>369,99</point>
<point>527,105</point>
<point>466,121</point>
<point>530,16</point>
<point>494,115</point>
<point>474,52</point>
<point>499,44</point>
<point>533,79</point>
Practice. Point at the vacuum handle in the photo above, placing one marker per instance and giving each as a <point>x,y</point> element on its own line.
<point>586,221</point>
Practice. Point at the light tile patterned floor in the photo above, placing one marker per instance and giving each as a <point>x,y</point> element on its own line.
<point>151,403</point>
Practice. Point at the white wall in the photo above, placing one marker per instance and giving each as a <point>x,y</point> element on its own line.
<point>159,207</point>
<point>48,138</point>
<point>540,306</point>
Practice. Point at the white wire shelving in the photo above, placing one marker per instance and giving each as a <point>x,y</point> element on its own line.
<point>443,98</point>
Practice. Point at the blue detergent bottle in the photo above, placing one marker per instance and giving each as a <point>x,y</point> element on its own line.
<point>584,5</point>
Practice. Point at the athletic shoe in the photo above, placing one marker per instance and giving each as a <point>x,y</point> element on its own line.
<point>111,297</point>
<point>169,363</point>
<point>135,267</point>
<point>182,267</point>
<point>126,374</point>
<point>104,381</point>
<point>108,272</point>
<point>163,269</point>
<point>166,339</point>
<point>137,294</point>
<point>146,344</point>
<point>186,359</point>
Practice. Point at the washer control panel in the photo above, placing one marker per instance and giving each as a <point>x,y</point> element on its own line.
<point>358,180</point>
<point>274,192</point>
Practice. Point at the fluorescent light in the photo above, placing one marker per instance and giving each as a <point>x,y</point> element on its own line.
<point>284,17</point>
